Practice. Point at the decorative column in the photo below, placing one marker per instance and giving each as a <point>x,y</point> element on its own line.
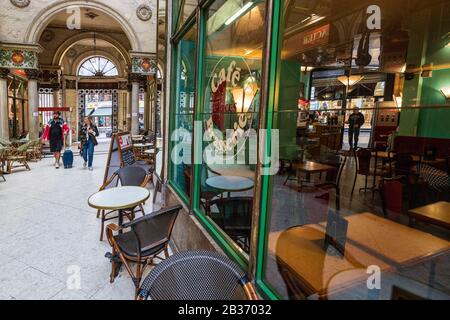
<point>122,101</point>
<point>33,103</point>
<point>135,81</point>
<point>4,124</point>
<point>70,100</point>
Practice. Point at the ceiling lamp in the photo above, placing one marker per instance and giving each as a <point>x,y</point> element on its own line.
<point>350,81</point>
<point>446,93</point>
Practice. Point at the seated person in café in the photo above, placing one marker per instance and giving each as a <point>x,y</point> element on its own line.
<point>355,121</point>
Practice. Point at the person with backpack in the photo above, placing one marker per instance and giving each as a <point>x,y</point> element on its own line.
<point>88,137</point>
<point>55,132</point>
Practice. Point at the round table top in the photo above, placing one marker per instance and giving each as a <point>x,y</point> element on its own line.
<point>230,183</point>
<point>118,198</point>
<point>142,145</point>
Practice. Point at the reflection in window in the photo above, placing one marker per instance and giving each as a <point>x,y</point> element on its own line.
<point>362,194</point>
<point>230,106</point>
<point>183,112</point>
<point>98,67</point>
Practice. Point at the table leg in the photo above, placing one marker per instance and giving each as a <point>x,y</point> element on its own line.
<point>120,220</point>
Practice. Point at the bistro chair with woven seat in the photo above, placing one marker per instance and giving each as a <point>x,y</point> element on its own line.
<point>148,236</point>
<point>234,218</point>
<point>135,176</point>
<point>197,275</point>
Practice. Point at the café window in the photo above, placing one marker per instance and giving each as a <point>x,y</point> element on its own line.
<point>17,107</point>
<point>230,91</point>
<point>361,197</point>
<point>182,120</point>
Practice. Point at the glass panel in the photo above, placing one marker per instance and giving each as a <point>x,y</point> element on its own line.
<point>98,67</point>
<point>187,7</point>
<point>183,110</point>
<point>231,101</point>
<point>99,107</point>
<point>359,206</point>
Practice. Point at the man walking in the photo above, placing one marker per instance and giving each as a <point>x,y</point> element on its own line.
<point>355,121</point>
<point>54,132</point>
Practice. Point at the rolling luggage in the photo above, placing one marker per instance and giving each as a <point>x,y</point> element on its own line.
<point>67,159</point>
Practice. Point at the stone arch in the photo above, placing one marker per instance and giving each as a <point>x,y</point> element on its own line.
<point>66,45</point>
<point>42,19</point>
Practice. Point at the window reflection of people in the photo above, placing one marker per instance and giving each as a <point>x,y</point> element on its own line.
<point>355,121</point>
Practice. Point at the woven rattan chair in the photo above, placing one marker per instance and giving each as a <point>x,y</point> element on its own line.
<point>148,237</point>
<point>197,275</point>
<point>17,157</point>
<point>135,176</point>
<point>2,164</point>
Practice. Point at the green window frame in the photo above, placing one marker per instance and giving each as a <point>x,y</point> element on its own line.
<point>227,245</point>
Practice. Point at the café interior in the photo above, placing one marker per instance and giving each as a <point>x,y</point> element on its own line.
<point>337,217</point>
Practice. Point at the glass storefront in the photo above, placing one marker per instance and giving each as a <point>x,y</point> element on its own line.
<point>17,106</point>
<point>182,117</point>
<point>348,101</point>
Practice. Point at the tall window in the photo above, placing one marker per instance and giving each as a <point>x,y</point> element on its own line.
<point>183,111</point>
<point>98,67</point>
<point>355,211</point>
<point>230,106</point>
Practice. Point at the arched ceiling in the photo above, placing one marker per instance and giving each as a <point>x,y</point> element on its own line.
<point>99,31</point>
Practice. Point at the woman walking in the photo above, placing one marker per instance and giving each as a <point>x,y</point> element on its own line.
<point>88,139</point>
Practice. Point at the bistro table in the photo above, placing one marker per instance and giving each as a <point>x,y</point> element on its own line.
<point>230,183</point>
<point>415,157</point>
<point>119,198</point>
<point>436,213</point>
<point>310,167</point>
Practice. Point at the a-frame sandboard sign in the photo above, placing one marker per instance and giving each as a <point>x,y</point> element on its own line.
<point>120,155</point>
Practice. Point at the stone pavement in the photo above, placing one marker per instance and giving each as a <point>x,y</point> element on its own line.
<point>48,234</point>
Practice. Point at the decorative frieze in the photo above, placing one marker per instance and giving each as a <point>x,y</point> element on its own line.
<point>18,56</point>
<point>33,74</point>
<point>143,63</point>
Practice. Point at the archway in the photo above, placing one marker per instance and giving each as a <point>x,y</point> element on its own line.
<point>44,17</point>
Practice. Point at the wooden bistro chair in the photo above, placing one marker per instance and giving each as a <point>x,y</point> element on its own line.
<point>197,275</point>
<point>135,176</point>
<point>364,168</point>
<point>148,236</point>
<point>333,180</point>
<point>16,157</point>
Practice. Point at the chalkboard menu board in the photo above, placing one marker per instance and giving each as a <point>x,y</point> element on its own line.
<point>120,155</point>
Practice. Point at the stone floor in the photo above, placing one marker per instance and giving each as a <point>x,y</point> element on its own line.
<point>49,235</point>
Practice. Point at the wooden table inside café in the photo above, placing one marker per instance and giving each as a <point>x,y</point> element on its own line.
<point>310,167</point>
<point>436,213</point>
<point>119,198</point>
<point>371,240</point>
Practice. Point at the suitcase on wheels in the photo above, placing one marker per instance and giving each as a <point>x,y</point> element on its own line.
<point>67,159</point>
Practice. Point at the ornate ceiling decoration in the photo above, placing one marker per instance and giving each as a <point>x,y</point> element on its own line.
<point>21,3</point>
<point>144,12</point>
